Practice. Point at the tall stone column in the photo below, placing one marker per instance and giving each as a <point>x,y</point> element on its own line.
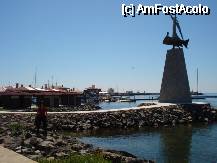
<point>175,86</point>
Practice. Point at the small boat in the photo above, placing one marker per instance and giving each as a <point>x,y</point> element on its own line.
<point>196,93</point>
<point>126,100</point>
<point>198,97</point>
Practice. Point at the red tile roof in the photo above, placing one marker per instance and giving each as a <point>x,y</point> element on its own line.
<point>29,91</point>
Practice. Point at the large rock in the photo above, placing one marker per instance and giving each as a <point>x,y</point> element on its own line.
<point>175,86</point>
<point>46,144</point>
<point>34,141</point>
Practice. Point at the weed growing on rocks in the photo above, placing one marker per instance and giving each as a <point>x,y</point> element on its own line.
<point>77,158</point>
<point>16,129</point>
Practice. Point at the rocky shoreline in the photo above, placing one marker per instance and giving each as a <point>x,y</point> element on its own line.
<point>86,107</point>
<point>136,118</point>
<point>17,130</point>
<point>75,108</point>
<point>21,138</point>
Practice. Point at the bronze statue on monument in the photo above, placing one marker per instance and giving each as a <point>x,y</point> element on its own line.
<point>175,40</point>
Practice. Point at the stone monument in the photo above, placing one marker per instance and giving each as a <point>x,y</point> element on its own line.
<point>175,86</point>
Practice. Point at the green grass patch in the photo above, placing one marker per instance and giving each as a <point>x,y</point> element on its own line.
<point>16,129</point>
<point>77,158</point>
<point>2,109</point>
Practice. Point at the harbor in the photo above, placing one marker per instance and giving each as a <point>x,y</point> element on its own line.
<point>108,82</point>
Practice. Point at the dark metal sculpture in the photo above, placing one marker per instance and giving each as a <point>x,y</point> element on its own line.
<point>175,40</point>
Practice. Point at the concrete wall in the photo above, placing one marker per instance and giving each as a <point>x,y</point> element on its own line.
<point>175,86</point>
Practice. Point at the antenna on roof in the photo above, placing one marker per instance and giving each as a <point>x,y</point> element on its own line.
<point>52,80</point>
<point>48,83</point>
<point>35,77</point>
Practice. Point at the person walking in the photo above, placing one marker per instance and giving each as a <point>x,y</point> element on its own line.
<point>41,117</point>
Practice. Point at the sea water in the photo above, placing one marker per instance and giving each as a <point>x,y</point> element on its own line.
<point>182,143</point>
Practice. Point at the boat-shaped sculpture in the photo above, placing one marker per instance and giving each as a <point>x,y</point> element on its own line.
<point>175,40</point>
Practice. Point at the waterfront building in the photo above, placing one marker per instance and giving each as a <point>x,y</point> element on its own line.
<point>25,96</point>
<point>91,94</point>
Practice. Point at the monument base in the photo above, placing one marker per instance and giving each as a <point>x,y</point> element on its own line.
<point>175,86</point>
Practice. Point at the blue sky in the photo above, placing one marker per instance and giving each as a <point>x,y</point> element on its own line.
<point>84,42</point>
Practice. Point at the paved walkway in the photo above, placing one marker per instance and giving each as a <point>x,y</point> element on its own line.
<point>9,156</point>
<point>101,110</point>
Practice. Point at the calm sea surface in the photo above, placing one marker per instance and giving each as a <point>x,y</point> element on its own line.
<point>183,143</point>
<point>115,105</point>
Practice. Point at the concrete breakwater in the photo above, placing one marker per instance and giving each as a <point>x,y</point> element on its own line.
<point>143,116</point>
<point>154,116</point>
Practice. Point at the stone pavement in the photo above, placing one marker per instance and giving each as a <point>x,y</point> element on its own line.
<point>9,156</point>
